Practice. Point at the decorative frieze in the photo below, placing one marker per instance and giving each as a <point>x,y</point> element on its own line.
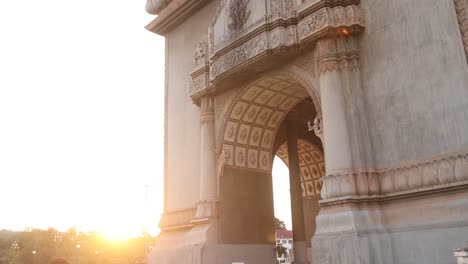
<point>411,177</point>
<point>244,33</point>
<point>461,6</point>
<point>239,55</point>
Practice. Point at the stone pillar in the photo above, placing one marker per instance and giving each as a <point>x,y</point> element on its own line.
<point>337,146</point>
<point>299,235</point>
<point>207,207</point>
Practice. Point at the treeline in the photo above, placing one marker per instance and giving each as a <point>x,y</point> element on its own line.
<point>35,246</point>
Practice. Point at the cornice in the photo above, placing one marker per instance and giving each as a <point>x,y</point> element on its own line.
<point>174,14</point>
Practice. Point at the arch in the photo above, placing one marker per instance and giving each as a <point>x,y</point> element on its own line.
<point>312,165</point>
<point>251,123</point>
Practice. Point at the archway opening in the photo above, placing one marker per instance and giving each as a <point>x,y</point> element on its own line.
<point>310,167</point>
<point>257,128</point>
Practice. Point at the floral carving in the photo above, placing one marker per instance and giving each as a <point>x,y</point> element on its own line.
<point>288,7</point>
<point>230,132</point>
<point>275,8</point>
<point>435,173</point>
<point>238,55</point>
<point>265,160</point>
<point>253,158</point>
<point>255,136</point>
<point>240,157</point>
<point>243,134</point>
<point>313,23</point>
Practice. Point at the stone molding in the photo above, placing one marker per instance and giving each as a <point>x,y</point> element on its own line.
<point>171,13</point>
<point>461,7</point>
<point>412,178</point>
<point>205,212</point>
<point>176,220</point>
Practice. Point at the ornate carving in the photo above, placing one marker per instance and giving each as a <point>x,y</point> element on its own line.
<point>240,54</point>
<point>198,84</point>
<point>337,54</point>
<point>317,127</point>
<point>275,8</point>
<point>200,76</point>
<point>288,7</point>
<point>228,54</point>
<point>461,6</point>
<point>238,14</point>
<point>431,174</point>
<point>240,157</point>
<point>224,157</point>
<point>313,23</point>
<point>336,17</point>
<point>201,53</point>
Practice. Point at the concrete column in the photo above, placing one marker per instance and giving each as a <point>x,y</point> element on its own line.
<point>207,207</point>
<point>336,137</point>
<point>299,235</point>
<point>336,56</point>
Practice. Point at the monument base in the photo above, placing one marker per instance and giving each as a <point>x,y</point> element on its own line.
<point>198,245</point>
<point>397,231</point>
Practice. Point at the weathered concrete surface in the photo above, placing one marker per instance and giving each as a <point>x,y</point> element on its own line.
<point>414,76</point>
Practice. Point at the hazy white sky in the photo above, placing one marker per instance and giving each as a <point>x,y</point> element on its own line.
<point>81,116</point>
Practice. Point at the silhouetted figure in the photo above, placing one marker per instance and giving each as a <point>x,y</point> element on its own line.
<point>59,261</point>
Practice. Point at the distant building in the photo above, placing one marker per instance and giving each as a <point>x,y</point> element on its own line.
<point>284,238</point>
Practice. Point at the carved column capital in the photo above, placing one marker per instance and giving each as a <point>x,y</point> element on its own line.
<point>337,54</point>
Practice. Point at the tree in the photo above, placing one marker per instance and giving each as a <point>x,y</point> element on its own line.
<point>279,224</point>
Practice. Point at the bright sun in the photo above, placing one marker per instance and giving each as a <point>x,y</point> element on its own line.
<point>119,233</point>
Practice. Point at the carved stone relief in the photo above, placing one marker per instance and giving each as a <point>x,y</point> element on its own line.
<point>254,117</point>
<point>201,52</point>
<point>317,127</point>
<point>238,14</point>
<point>451,169</point>
<point>311,163</point>
<point>324,22</point>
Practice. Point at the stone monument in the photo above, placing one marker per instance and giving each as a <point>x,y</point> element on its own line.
<point>366,102</point>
